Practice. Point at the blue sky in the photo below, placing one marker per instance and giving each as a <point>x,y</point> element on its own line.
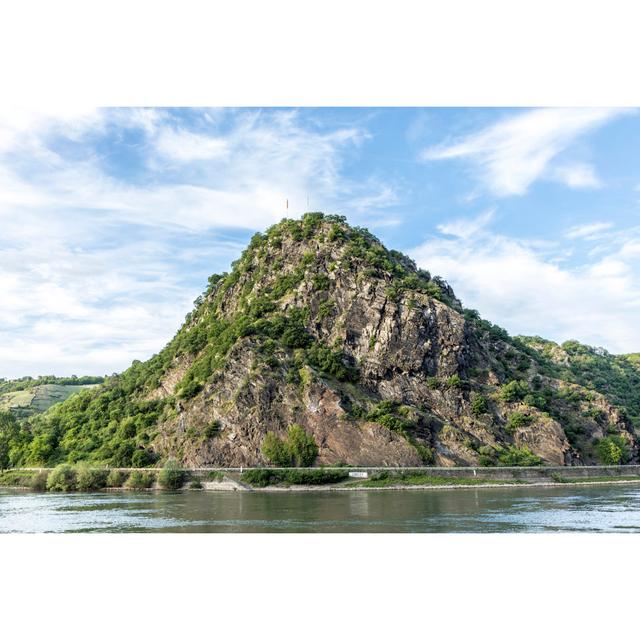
<point>111,220</point>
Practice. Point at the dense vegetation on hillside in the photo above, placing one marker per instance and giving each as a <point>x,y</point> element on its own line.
<point>12,439</point>
<point>116,423</point>
<point>276,306</point>
<point>615,376</point>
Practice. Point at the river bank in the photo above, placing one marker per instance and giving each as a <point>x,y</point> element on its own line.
<point>81,478</point>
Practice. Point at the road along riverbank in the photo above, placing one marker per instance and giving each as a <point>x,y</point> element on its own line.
<point>83,478</point>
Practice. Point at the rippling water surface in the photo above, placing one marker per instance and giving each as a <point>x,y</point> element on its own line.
<point>527,509</point>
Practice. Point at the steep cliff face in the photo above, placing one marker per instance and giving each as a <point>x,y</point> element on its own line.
<point>319,325</point>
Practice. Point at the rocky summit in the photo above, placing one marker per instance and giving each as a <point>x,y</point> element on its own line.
<point>323,347</point>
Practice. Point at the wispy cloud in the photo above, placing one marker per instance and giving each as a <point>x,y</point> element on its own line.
<point>516,151</point>
<point>112,219</point>
<point>467,227</point>
<point>589,231</point>
<point>22,127</point>
<point>577,176</point>
<point>240,177</point>
<point>529,289</point>
<point>179,145</point>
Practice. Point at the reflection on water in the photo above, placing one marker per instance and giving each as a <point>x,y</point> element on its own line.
<point>527,509</point>
<point>359,503</point>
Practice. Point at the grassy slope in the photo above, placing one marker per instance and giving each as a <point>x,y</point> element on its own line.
<point>37,399</point>
<point>16,399</point>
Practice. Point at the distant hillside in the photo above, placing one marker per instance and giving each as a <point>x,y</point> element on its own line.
<point>321,346</point>
<point>28,396</point>
<point>615,376</point>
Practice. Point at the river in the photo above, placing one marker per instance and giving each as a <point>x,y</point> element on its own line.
<point>607,508</point>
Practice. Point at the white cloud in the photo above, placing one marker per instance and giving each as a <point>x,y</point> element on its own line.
<point>529,291</point>
<point>466,227</point>
<point>242,177</point>
<point>99,267</point>
<point>516,151</point>
<point>577,176</point>
<point>184,146</point>
<point>62,306</point>
<point>21,127</point>
<point>589,231</point>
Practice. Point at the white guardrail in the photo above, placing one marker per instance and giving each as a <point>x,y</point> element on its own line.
<point>353,469</point>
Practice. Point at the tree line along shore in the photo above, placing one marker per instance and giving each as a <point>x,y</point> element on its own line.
<point>173,477</point>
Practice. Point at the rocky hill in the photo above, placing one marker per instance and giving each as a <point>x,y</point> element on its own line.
<point>376,362</point>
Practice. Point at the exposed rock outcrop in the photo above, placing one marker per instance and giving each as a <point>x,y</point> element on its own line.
<point>411,344</point>
<point>319,325</point>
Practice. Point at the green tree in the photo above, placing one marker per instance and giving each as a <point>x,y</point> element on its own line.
<point>519,457</point>
<point>89,478</point>
<point>116,478</point>
<point>516,420</point>
<point>297,449</point>
<point>142,458</point>
<point>479,405</point>
<point>62,478</point>
<point>514,391</point>
<point>303,447</point>
<point>612,450</point>
<point>39,481</point>
<point>139,480</point>
<point>41,449</point>
<point>276,450</point>
<point>172,475</point>
<point>9,431</point>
